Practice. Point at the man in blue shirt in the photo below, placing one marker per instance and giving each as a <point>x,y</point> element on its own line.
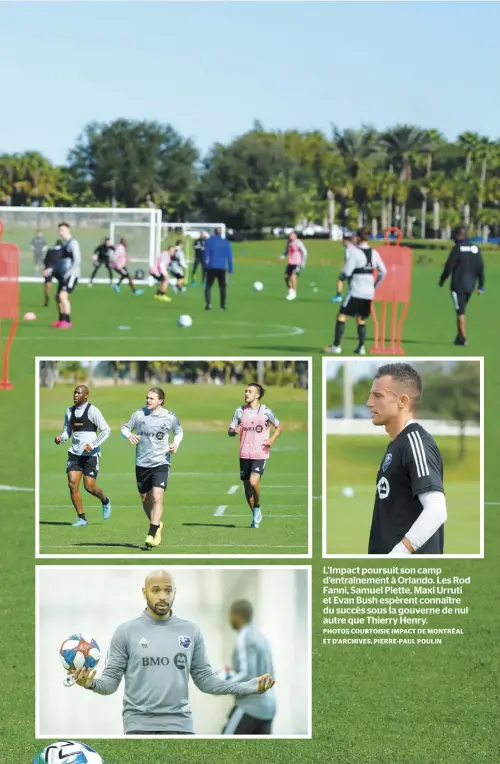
<point>218,260</point>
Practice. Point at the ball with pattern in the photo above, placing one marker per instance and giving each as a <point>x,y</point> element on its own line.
<point>185,321</point>
<point>79,651</point>
<point>68,752</point>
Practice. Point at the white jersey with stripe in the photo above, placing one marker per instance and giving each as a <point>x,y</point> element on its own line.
<point>360,272</point>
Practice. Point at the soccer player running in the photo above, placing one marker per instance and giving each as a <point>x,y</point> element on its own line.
<point>465,265</point>
<point>153,425</point>
<point>119,264</point>
<point>199,255</point>
<point>81,423</point>
<point>253,421</point>
<point>38,246</point>
<point>67,272</point>
<point>360,263</point>
<point>296,255</point>
<point>252,656</point>
<point>50,264</point>
<point>102,257</point>
<point>160,273</point>
<point>156,654</point>
<point>410,505</point>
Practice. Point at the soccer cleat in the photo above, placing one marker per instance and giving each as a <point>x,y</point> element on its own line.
<point>65,325</point>
<point>90,285</point>
<point>332,349</point>
<point>291,296</point>
<point>460,341</point>
<point>162,298</point>
<point>158,535</point>
<point>193,283</point>
<point>106,511</point>
<point>56,324</point>
<point>258,516</point>
<point>337,298</point>
<point>116,288</point>
<point>208,307</point>
<point>361,350</point>
<point>80,523</point>
<point>139,292</point>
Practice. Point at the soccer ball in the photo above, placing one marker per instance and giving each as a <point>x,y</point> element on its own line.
<point>68,752</point>
<point>29,317</point>
<point>185,321</point>
<point>79,651</point>
<point>258,286</point>
<point>348,492</point>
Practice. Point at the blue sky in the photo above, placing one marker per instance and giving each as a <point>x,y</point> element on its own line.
<point>210,69</point>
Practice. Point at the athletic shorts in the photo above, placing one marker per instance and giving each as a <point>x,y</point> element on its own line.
<point>240,723</point>
<point>48,279</point>
<point>152,477</point>
<point>67,285</point>
<point>161,278</point>
<point>122,272</point>
<point>460,300</point>
<point>247,466</point>
<point>356,307</point>
<point>290,269</point>
<point>177,273</point>
<point>89,465</point>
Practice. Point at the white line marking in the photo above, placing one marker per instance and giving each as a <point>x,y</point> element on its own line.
<point>195,546</point>
<point>233,489</point>
<point>220,511</point>
<point>14,488</point>
<point>492,503</point>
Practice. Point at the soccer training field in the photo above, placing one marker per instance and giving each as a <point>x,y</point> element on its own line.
<point>367,708</point>
<point>205,507</point>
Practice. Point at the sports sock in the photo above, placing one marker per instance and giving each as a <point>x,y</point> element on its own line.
<point>82,517</point>
<point>361,334</point>
<point>339,331</point>
<point>153,529</point>
<point>105,502</point>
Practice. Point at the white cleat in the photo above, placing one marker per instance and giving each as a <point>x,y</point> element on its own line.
<point>361,350</point>
<point>336,349</point>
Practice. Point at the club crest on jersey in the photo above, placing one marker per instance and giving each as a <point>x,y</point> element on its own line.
<point>386,462</point>
<point>185,642</point>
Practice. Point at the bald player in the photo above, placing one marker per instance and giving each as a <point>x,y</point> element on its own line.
<point>81,423</point>
<point>156,653</point>
<point>410,505</point>
<point>252,714</point>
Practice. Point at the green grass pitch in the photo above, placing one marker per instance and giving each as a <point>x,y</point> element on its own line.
<point>353,461</point>
<point>417,705</point>
<point>205,469</point>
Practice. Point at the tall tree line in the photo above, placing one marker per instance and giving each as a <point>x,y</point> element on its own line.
<point>406,176</point>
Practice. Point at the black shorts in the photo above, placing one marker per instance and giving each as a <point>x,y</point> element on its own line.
<point>161,278</point>
<point>290,269</point>
<point>460,300</point>
<point>67,285</point>
<point>157,732</point>
<point>89,465</point>
<point>247,466</point>
<point>177,273</point>
<point>48,279</point>
<point>356,307</point>
<point>152,477</point>
<point>240,723</point>
<point>122,272</point>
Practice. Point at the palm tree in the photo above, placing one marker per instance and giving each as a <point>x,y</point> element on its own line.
<point>401,144</point>
<point>468,141</point>
<point>434,140</point>
<point>439,190</point>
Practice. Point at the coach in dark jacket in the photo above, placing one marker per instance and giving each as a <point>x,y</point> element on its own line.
<point>218,261</point>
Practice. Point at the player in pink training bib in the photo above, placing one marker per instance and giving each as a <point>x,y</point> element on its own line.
<point>160,272</point>
<point>119,264</point>
<point>253,422</point>
<point>296,256</point>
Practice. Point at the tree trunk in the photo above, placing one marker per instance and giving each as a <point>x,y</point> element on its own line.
<point>383,217</point>
<point>409,226</point>
<point>403,219</point>
<point>374,228</point>
<point>423,215</point>
<point>435,212</point>
<point>389,211</point>
<point>461,442</point>
<point>486,233</point>
<point>331,211</point>
<point>466,215</point>
<point>479,210</point>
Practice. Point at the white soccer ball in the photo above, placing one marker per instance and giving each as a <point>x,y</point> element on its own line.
<point>258,286</point>
<point>348,492</point>
<point>69,752</point>
<point>185,321</point>
<point>79,651</point>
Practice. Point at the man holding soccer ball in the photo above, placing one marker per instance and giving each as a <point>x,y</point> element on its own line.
<point>157,653</point>
<point>152,426</point>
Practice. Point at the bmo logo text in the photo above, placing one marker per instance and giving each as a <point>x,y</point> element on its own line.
<point>383,488</point>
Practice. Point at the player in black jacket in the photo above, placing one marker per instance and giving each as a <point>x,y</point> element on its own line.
<point>199,252</point>
<point>102,256</point>
<point>50,263</point>
<point>465,265</point>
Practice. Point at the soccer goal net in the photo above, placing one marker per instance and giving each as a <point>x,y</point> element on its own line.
<point>89,225</point>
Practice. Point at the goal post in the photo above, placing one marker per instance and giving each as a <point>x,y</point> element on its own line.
<point>89,225</point>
